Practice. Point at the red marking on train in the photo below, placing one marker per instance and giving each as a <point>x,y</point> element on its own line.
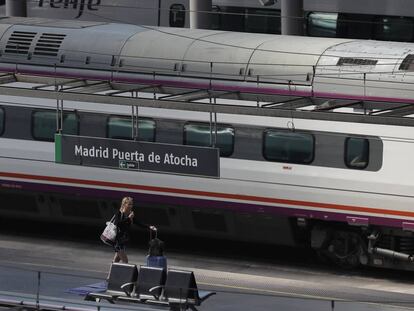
<point>240,197</point>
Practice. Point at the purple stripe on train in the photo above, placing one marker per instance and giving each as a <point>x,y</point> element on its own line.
<point>236,207</point>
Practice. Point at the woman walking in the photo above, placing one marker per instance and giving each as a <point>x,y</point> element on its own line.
<point>124,218</point>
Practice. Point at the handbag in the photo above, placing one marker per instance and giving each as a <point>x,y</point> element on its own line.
<point>108,236</point>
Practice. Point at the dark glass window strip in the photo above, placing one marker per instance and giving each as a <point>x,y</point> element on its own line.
<point>356,152</point>
<point>289,147</point>
<point>200,134</point>
<point>121,128</point>
<point>44,124</point>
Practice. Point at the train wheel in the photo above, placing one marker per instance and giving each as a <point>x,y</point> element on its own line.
<point>345,249</point>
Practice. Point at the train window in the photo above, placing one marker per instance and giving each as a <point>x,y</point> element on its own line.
<point>232,18</point>
<point>407,63</point>
<point>199,134</point>
<point>289,147</point>
<point>177,15</point>
<point>322,24</point>
<point>393,28</point>
<point>356,26</point>
<point>263,21</point>
<point>121,128</point>
<point>1,121</point>
<point>216,17</point>
<point>44,124</point>
<point>356,152</point>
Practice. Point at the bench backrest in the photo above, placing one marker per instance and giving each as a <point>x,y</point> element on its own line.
<point>181,284</point>
<point>120,274</point>
<point>150,277</point>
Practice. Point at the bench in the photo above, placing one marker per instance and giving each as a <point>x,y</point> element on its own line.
<point>176,289</point>
<point>119,275</point>
<point>180,291</point>
<point>148,278</point>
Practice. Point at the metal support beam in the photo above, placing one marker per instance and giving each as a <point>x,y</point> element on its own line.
<point>90,87</point>
<point>335,103</point>
<point>70,82</point>
<point>16,8</point>
<point>282,102</point>
<point>203,107</point>
<point>200,16</point>
<point>397,112</point>
<point>292,17</point>
<point>197,95</point>
<point>136,89</point>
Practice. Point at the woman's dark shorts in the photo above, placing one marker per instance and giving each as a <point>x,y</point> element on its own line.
<point>119,247</point>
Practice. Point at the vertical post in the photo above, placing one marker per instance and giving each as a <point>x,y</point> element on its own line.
<point>159,13</point>
<point>211,112</point>
<point>38,291</point>
<point>61,117</point>
<point>200,14</point>
<point>313,78</point>
<point>292,17</point>
<point>211,75</point>
<point>57,103</point>
<point>332,305</point>
<point>132,121</point>
<point>153,78</point>
<point>365,92</point>
<point>257,97</point>
<point>181,297</point>
<point>215,125</point>
<point>136,123</point>
<point>57,108</point>
<point>16,8</point>
<point>211,119</point>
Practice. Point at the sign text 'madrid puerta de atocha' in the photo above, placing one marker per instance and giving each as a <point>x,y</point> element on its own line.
<point>134,155</point>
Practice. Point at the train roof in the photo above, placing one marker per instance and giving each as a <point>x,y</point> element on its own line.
<point>205,53</point>
<point>156,48</point>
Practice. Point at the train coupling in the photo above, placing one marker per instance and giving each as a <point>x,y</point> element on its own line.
<point>372,238</point>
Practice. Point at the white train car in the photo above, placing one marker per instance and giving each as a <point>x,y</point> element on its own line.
<point>315,134</point>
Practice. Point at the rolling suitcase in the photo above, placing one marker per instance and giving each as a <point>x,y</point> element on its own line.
<point>156,256</point>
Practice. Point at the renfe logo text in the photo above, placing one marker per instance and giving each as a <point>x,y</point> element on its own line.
<point>91,5</point>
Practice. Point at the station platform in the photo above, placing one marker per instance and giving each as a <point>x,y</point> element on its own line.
<point>22,288</point>
<point>40,269</point>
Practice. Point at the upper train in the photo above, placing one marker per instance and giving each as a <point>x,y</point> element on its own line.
<point>340,181</point>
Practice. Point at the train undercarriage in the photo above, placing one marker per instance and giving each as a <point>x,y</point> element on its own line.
<point>349,247</point>
<point>340,244</point>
